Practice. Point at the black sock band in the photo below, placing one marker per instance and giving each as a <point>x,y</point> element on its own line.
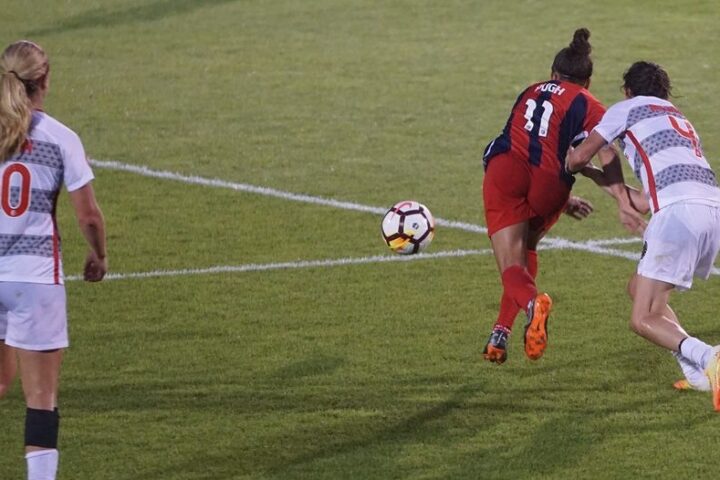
<point>41,428</point>
<point>680,345</point>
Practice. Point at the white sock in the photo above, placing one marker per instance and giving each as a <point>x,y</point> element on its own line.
<point>695,375</point>
<point>42,464</point>
<point>696,351</point>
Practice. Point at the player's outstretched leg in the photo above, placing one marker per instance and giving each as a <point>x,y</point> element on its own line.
<point>536,333</point>
<point>496,347</point>
<point>713,373</point>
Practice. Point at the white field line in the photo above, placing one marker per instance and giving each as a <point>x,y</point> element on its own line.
<point>592,246</point>
<point>614,241</point>
<point>259,267</point>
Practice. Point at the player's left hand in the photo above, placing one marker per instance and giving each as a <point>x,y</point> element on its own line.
<point>578,208</point>
<point>631,219</point>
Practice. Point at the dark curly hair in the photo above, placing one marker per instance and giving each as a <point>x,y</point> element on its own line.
<point>647,79</point>
<point>573,63</point>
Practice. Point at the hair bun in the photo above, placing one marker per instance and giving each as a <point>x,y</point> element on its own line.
<point>580,43</point>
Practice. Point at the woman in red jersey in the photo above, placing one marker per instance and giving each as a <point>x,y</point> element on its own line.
<point>38,155</point>
<point>526,188</point>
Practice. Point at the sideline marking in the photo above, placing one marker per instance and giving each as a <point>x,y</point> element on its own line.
<point>259,267</point>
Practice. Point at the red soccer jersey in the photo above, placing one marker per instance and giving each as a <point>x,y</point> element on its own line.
<point>545,121</point>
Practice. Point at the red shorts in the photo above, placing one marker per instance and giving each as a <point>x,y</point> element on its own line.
<point>514,192</point>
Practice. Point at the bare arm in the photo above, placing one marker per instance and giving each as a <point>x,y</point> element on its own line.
<point>92,225</point>
<point>612,172</point>
<point>610,178</point>
<point>637,198</point>
<point>578,157</point>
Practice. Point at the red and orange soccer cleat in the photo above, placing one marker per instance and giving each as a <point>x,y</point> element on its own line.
<point>496,346</point>
<point>536,333</point>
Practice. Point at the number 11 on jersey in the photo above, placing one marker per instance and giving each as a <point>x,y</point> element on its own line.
<point>544,119</point>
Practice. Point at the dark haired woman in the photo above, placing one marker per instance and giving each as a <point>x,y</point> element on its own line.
<point>525,188</point>
<point>682,238</point>
<point>38,155</point>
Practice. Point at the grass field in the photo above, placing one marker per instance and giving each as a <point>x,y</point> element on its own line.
<point>277,337</point>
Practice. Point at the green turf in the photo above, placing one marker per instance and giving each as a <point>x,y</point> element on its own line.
<point>368,371</point>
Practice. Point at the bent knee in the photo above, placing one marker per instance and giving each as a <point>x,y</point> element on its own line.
<point>636,325</point>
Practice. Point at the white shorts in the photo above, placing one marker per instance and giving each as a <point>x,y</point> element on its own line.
<point>681,241</point>
<point>33,316</point>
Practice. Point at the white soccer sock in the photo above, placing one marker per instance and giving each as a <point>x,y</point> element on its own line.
<point>696,351</point>
<point>42,464</point>
<point>695,375</point>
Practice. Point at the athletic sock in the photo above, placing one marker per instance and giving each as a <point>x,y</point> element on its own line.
<point>696,351</point>
<point>42,464</point>
<point>508,309</point>
<point>532,263</point>
<point>519,285</point>
<point>507,314</point>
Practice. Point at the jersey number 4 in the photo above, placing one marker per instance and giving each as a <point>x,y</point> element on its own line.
<point>689,133</point>
<point>22,203</point>
<point>547,110</point>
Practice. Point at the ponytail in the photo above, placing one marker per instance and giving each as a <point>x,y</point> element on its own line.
<point>23,69</point>
<point>15,115</point>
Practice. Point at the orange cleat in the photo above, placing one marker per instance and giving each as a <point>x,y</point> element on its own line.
<point>713,373</point>
<point>536,334</point>
<point>496,346</point>
<point>682,384</point>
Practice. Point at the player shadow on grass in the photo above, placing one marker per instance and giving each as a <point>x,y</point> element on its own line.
<point>412,428</point>
<point>563,420</point>
<point>280,463</point>
<point>145,12</point>
<point>557,439</point>
<point>562,440</point>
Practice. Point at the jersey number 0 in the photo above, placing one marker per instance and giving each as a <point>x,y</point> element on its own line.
<point>23,202</point>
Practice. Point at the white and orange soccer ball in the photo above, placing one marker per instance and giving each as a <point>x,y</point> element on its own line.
<point>408,227</point>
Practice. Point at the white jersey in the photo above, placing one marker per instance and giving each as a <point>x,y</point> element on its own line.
<point>29,186</point>
<point>663,150</point>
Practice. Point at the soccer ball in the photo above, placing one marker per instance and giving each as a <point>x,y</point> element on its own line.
<point>408,227</point>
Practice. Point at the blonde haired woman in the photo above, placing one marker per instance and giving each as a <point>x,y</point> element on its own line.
<point>38,155</point>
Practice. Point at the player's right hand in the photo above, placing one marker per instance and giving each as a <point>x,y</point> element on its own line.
<point>95,267</point>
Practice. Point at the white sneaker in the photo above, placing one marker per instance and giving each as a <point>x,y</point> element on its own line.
<point>695,378</point>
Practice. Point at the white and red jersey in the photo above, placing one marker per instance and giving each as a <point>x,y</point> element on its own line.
<point>663,150</point>
<point>29,186</point>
